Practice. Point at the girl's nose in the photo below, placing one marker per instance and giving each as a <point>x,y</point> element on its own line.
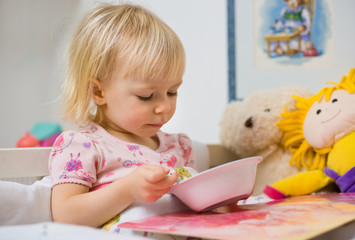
<point>163,106</point>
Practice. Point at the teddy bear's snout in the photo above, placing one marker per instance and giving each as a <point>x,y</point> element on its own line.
<point>249,123</point>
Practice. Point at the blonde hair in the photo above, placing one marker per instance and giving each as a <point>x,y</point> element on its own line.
<point>124,39</point>
<point>304,155</point>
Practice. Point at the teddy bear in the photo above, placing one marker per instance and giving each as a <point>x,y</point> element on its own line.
<point>248,128</point>
<point>321,136</point>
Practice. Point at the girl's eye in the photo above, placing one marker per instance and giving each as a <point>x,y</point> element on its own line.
<point>334,100</point>
<point>145,98</point>
<point>172,94</point>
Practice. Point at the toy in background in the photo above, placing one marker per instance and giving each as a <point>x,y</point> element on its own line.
<point>42,134</point>
<point>321,136</point>
<point>248,128</point>
<point>310,50</point>
<point>294,17</point>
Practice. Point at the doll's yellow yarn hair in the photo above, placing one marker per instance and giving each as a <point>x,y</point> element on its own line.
<point>304,155</point>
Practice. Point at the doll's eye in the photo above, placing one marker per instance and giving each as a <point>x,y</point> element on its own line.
<point>334,100</point>
<point>319,111</point>
<point>267,110</point>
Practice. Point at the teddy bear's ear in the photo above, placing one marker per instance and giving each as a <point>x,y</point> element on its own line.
<point>230,111</point>
<point>232,106</point>
<point>290,92</point>
<point>228,122</point>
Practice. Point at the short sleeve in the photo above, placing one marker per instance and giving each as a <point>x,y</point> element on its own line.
<point>187,150</point>
<point>73,159</point>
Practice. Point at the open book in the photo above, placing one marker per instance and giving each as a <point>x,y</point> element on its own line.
<point>300,217</point>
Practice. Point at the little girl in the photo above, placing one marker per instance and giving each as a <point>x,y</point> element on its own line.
<point>125,69</point>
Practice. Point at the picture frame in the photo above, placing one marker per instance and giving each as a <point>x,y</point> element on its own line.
<point>301,31</point>
<point>255,73</point>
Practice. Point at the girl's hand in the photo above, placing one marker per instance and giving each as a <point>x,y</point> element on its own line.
<point>148,183</point>
<point>75,204</point>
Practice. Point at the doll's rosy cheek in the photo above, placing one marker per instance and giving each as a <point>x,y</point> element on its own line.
<point>317,132</point>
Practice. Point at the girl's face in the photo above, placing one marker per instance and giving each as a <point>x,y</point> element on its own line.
<point>136,106</point>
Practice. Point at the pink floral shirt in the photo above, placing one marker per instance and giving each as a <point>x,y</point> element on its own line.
<point>92,157</point>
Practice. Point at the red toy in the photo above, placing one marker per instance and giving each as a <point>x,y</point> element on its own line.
<point>41,135</point>
<point>310,50</point>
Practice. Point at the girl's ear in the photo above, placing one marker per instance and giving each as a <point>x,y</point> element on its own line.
<point>97,92</point>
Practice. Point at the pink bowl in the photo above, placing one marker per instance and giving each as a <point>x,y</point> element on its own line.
<point>218,186</point>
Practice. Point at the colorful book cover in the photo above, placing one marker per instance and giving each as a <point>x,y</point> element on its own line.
<point>300,217</point>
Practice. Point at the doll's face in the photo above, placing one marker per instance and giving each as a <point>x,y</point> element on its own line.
<point>328,121</point>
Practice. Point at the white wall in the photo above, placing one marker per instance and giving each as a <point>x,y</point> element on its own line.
<point>32,34</point>
<point>33,38</point>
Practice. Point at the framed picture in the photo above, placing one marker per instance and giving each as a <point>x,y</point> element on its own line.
<point>315,47</point>
<point>293,33</point>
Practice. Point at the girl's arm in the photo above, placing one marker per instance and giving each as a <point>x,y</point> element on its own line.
<point>75,204</point>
